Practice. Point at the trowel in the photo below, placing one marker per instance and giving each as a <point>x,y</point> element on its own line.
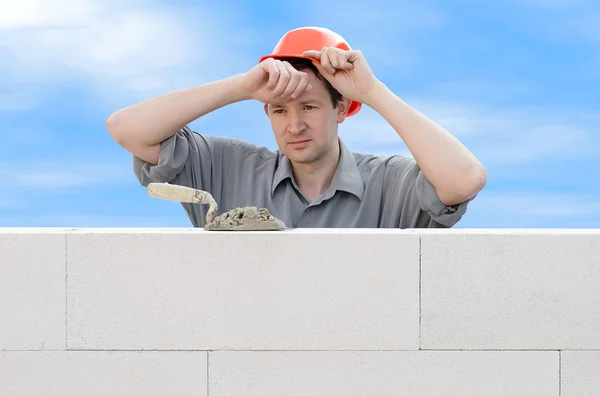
<point>248,218</point>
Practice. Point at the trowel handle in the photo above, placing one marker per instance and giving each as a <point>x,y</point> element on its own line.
<point>173,192</point>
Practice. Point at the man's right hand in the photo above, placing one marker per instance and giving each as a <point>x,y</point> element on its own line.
<point>275,81</point>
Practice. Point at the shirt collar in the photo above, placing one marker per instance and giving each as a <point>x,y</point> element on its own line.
<point>347,177</point>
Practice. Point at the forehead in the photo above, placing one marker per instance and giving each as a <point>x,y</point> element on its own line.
<point>305,98</point>
<point>317,82</point>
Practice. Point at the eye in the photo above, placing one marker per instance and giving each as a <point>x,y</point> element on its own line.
<point>278,111</point>
<point>309,107</point>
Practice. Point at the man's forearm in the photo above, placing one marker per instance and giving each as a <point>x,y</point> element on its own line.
<point>155,120</point>
<point>452,169</point>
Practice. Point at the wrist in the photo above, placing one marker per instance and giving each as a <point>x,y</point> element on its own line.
<point>376,95</point>
<point>235,87</point>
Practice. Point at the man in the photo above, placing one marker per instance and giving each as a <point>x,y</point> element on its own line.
<point>309,85</point>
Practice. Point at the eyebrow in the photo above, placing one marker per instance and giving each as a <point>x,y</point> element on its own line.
<point>305,101</point>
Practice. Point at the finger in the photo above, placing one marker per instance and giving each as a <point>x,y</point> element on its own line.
<point>353,55</point>
<point>325,61</point>
<point>282,82</point>
<point>343,61</point>
<point>334,58</point>
<point>312,54</point>
<point>302,86</point>
<point>271,68</point>
<point>295,78</point>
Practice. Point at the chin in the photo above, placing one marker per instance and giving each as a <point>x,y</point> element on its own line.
<point>300,158</point>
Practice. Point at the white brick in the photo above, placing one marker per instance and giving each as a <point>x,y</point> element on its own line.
<point>32,290</point>
<point>580,373</point>
<point>525,290</point>
<point>103,373</point>
<point>243,290</point>
<point>412,373</point>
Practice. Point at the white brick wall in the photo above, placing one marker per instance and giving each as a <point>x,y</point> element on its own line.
<point>299,312</point>
<point>32,291</point>
<point>510,291</point>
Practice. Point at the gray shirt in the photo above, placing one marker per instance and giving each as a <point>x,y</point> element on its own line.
<point>367,191</point>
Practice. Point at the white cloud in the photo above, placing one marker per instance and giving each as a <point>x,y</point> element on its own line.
<point>478,87</point>
<point>585,26</point>
<point>8,203</point>
<point>96,220</point>
<point>560,19</point>
<point>552,5</point>
<point>118,48</point>
<point>496,136</point>
<point>533,209</point>
<point>36,13</point>
<point>543,205</point>
<point>517,136</point>
<point>395,17</point>
<point>369,133</point>
<point>387,33</point>
<point>16,101</point>
<point>57,176</point>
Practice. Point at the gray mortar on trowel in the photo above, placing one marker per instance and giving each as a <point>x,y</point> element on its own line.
<point>247,218</point>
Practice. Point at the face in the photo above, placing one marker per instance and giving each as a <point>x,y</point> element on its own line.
<point>306,128</point>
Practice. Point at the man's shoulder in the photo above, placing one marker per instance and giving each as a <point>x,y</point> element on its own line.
<point>370,163</point>
<point>229,143</point>
<point>252,149</point>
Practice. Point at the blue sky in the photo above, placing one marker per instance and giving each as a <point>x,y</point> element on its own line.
<point>516,81</point>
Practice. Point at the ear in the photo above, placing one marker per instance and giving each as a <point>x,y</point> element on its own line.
<point>266,107</point>
<point>342,109</point>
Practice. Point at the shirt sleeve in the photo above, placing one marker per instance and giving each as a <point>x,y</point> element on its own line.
<point>188,159</point>
<point>411,201</point>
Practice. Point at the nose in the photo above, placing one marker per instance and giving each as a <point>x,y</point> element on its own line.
<point>295,123</point>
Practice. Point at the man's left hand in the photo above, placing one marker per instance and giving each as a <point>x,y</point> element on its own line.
<point>347,71</point>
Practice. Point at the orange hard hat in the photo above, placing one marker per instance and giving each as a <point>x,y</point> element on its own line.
<point>296,41</point>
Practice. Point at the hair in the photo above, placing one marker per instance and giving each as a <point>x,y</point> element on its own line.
<point>302,63</point>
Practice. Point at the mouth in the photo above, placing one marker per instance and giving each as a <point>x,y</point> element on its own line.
<point>299,142</point>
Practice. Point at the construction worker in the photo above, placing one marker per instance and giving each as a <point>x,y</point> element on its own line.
<point>309,84</point>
